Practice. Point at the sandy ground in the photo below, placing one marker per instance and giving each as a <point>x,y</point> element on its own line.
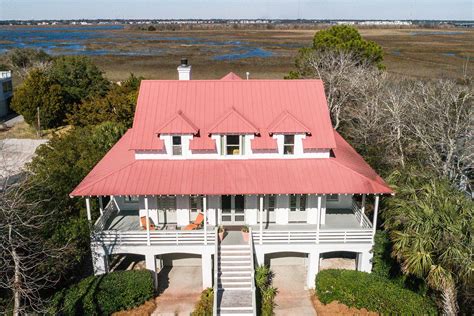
<point>337,263</point>
<point>15,153</point>
<point>292,298</point>
<point>181,288</point>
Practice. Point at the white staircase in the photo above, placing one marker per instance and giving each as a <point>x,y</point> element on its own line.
<point>235,284</point>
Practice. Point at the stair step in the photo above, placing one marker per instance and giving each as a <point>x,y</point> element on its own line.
<point>236,276</point>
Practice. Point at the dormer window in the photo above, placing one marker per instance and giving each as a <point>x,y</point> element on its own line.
<point>232,145</point>
<point>177,146</point>
<point>289,144</point>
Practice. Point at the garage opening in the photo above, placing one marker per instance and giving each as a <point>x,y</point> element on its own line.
<point>180,273</point>
<point>346,260</point>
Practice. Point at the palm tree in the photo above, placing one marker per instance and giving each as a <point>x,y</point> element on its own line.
<point>430,225</point>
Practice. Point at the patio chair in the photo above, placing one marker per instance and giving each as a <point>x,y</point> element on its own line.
<point>143,223</point>
<point>196,224</point>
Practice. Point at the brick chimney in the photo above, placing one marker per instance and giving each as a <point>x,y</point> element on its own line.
<point>184,70</point>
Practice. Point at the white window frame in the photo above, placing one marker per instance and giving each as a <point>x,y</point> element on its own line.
<point>285,144</point>
<point>301,202</point>
<point>332,197</point>
<point>131,198</point>
<point>269,203</point>
<point>166,203</point>
<point>179,147</point>
<point>197,200</point>
<point>224,145</point>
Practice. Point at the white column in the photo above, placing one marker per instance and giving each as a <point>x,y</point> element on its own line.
<point>313,269</point>
<point>88,208</point>
<point>100,262</point>
<point>260,257</point>
<point>148,241</point>
<point>150,262</point>
<point>261,219</point>
<point>318,216</point>
<point>362,210</point>
<point>206,261</point>
<point>101,205</point>
<point>376,210</point>
<point>204,209</point>
<point>364,261</point>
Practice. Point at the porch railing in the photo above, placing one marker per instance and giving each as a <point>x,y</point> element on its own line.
<point>110,211</point>
<point>361,218</point>
<point>138,238</point>
<point>308,237</point>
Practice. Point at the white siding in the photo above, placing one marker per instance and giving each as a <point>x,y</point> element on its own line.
<point>251,209</point>
<point>282,209</point>
<point>213,206</point>
<point>182,206</point>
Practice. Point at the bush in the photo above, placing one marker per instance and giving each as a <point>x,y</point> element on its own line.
<point>104,294</point>
<point>265,291</point>
<point>364,290</point>
<point>205,306</point>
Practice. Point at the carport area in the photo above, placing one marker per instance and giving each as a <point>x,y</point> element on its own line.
<point>289,270</point>
<point>179,284</point>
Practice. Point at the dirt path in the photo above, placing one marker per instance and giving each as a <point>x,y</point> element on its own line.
<point>292,298</point>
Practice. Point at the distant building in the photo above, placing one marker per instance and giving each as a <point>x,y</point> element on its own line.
<point>6,92</point>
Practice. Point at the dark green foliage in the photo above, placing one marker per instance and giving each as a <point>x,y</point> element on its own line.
<point>57,88</point>
<point>105,294</point>
<point>57,169</point>
<point>265,291</point>
<point>205,305</point>
<point>38,91</point>
<point>364,290</point>
<point>23,58</point>
<point>347,38</point>
<point>78,77</point>
<point>118,105</point>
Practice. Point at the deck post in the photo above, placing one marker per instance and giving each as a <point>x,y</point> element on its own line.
<point>88,208</point>
<point>150,263</point>
<point>148,240</point>
<point>261,220</point>
<point>101,205</point>
<point>362,210</point>
<point>313,269</point>
<point>376,210</point>
<point>318,216</point>
<point>204,209</point>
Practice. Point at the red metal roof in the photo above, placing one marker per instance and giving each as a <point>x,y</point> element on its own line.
<point>287,123</point>
<point>233,122</point>
<point>231,76</point>
<point>178,124</point>
<point>264,142</point>
<point>204,102</point>
<point>118,173</point>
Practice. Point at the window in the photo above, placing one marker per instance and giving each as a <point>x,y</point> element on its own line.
<point>293,199</point>
<point>269,203</point>
<point>195,204</point>
<point>298,202</point>
<point>232,145</point>
<point>177,147</point>
<point>289,144</point>
<point>303,202</point>
<point>332,197</point>
<point>131,199</point>
<point>7,86</point>
<point>167,203</point>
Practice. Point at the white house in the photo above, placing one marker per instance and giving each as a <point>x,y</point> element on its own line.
<point>6,92</point>
<point>261,153</point>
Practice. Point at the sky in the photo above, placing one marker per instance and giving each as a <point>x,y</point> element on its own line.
<point>229,9</point>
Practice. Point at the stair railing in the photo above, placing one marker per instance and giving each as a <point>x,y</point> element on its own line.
<point>252,262</point>
<point>216,270</point>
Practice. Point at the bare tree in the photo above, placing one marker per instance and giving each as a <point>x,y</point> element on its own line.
<point>25,255</point>
<point>441,122</point>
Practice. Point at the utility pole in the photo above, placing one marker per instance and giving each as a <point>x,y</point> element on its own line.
<point>39,121</point>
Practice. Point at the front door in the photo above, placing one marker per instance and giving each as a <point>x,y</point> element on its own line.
<point>297,212</point>
<point>233,210</point>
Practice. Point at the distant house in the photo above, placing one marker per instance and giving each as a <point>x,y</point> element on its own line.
<point>6,92</point>
<point>232,152</point>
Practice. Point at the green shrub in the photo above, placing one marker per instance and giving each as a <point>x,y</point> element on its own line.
<point>265,291</point>
<point>205,305</point>
<point>364,290</point>
<point>105,294</point>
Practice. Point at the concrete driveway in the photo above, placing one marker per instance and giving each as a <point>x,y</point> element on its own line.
<point>180,289</point>
<point>292,298</point>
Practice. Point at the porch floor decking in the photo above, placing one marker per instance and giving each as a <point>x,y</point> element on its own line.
<point>335,219</point>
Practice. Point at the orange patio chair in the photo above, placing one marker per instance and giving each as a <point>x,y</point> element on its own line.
<point>143,223</point>
<point>197,222</point>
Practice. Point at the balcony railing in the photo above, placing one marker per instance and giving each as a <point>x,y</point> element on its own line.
<point>308,237</point>
<point>137,238</point>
